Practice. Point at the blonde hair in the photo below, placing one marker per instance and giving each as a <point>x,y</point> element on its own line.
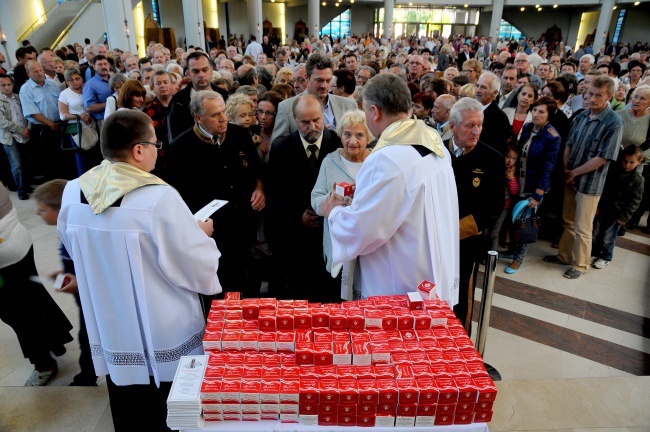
<point>234,102</point>
<point>468,90</point>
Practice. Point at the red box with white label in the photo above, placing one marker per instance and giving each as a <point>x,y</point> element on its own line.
<point>250,392</point>
<point>483,417</point>
<point>269,416</point>
<point>429,392</point>
<point>231,373</point>
<point>448,390</point>
<point>427,336</point>
<point>267,320</point>
<point>230,392</point>
<point>387,408</point>
<point>368,391</point>
<point>415,301</point>
<point>465,408</point>
<point>213,417</point>
<point>444,419</point>
<point>384,371</point>
<point>476,368</point>
<point>322,335</point>
<point>361,354</point>
<point>465,344</point>
<point>285,341</point>
<point>385,420</point>
<point>248,340</point>
<point>253,359</point>
<point>380,353</point>
<point>483,406</point>
<point>237,324</point>
<point>346,371</point>
<point>290,372</point>
<point>338,320</point>
<point>212,340</point>
<point>427,289</point>
<point>344,189</point>
<point>348,391</point>
<point>403,371</point>
<point>285,320</point>
<point>304,353</point>
<point>328,389</point>
<point>407,392</point>
<point>302,319</point>
<point>309,391</point>
<point>340,336</point>
<point>373,319</point>
<point>250,408</point>
<point>289,408</point>
<point>270,408</point>
<point>342,353</point>
<point>271,373</point>
<point>366,420</point>
<point>467,390</point>
<point>323,353</point>
<point>487,391</point>
<point>304,335</point>
<point>270,392</point>
<point>320,317</point>
<point>451,355</point>
<point>253,372</point>
<point>287,359</point>
<point>212,408</point>
<point>328,419</point>
<point>266,341</point>
<point>235,359</point>
<point>211,390</point>
<point>405,320</point>
<point>457,368</point>
<point>231,408</point>
<point>285,304</point>
<point>463,418</point>
<point>309,371</point>
<point>445,408</point>
<point>356,319</point>
<point>214,371</point>
<point>272,359</point>
<point>268,303</point>
<point>288,418</point>
<point>419,358</point>
<point>347,420</point>
<point>422,320</point>
<point>290,391</point>
<point>232,295</point>
<point>438,317</point>
<point>365,372</point>
<point>387,390</point>
<point>218,358</point>
<point>327,371</point>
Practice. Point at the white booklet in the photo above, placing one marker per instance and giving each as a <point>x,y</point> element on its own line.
<point>208,210</point>
<point>186,389</point>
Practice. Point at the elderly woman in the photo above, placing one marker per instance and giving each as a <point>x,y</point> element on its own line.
<point>443,58</point>
<point>339,166</point>
<point>636,120</point>
<point>284,76</point>
<point>115,83</point>
<point>539,147</point>
<point>132,95</point>
<point>472,69</point>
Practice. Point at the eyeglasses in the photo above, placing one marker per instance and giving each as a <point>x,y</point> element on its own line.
<point>268,113</point>
<point>158,144</point>
<point>361,77</point>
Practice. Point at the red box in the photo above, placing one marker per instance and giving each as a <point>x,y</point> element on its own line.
<point>320,317</point>
<point>448,390</point>
<point>380,353</point>
<point>290,372</point>
<point>388,320</point>
<point>476,369</point>
<point>309,390</point>
<point>368,391</point>
<point>338,320</point>
<point>304,335</point>
<point>483,417</point>
<point>400,358</point>
<point>304,353</point>
<point>248,340</point>
<point>427,289</point>
<point>397,347</point>
<point>266,341</point>
<point>268,303</point>
<point>328,408</point>
<point>230,392</point>
<point>309,371</point>
<point>480,406</point>
<point>308,409</point>
<point>465,408</point>
<point>387,408</point>
<point>403,371</point>
<point>404,409</point>
<point>322,336</point>
<point>214,371</point>
<point>302,318</point>
<point>444,419</point>
<point>217,358</point>
<point>270,392</point>
<point>373,318</point>
<point>285,341</point>
<point>235,359</point>
<point>387,390</point>
<point>346,371</point>
<point>415,301</point>
<point>422,320</point>
<point>340,336</point>
<point>272,359</point>
<point>347,409</point>
<point>467,390</point>
<point>348,391</point>
<point>233,372</point>
<point>356,319</point>
<point>464,344</point>
<point>342,353</point>
<point>285,319</point>
<point>211,390</point>
<point>232,295</point>
<point>463,418</point>
<point>384,371</point>
<point>327,419</point>
<point>457,368</point>
<point>271,373</point>
<point>366,408</point>
<point>329,390</point>
<point>419,358</point>
<point>250,392</point>
<point>300,304</point>
<point>452,355</point>
<point>361,354</point>
<point>407,392</point>
<point>429,392</point>
<point>212,340</point>
<point>427,336</point>
<point>253,359</point>
<point>267,320</point>
<point>290,391</point>
<point>438,317</point>
<point>366,420</point>
<point>365,372</point>
<point>327,371</point>
<point>445,408</point>
<point>426,410</point>
<point>347,420</point>
<point>323,353</point>
<point>252,372</point>
<point>289,408</point>
<point>344,189</point>
<point>487,391</point>
<point>405,321</point>
<point>250,309</point>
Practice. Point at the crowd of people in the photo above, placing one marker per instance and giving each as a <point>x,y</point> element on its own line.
<point>462,130</point>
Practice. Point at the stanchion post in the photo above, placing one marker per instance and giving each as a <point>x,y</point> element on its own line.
<point>486,300</point>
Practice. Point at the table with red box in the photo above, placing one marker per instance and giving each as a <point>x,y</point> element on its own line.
<point>388,361</point>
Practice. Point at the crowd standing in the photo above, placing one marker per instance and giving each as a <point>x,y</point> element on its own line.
<point>462,128</point>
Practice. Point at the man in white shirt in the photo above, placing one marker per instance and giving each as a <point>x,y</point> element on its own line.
<point>254,48</point>
<point>403,220</point>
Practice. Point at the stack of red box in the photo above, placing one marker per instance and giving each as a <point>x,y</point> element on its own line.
<point>385,361</point>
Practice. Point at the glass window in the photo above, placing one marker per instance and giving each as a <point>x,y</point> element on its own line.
<point>339,27</point>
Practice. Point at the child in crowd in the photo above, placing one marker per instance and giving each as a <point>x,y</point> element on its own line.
<point>620,199</point>
<point>48,199</point>
<point>512,190</point>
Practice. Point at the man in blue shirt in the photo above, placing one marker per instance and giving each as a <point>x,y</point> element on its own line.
<point>97,90</point>
<point>39,98</point>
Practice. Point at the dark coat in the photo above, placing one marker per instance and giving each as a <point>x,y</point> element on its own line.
<point>496,128</point>
<point>542,157</point>
<point>180,118</point>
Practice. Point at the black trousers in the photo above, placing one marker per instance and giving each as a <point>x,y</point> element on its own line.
<point>139,407</point>
<point>471,251</point>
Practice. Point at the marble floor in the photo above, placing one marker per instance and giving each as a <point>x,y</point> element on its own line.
<point>574,354</point>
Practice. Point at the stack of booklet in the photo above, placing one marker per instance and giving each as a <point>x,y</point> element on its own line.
<point>184,401</point>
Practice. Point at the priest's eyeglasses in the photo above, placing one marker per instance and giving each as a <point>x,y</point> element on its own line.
<point>158,144</point>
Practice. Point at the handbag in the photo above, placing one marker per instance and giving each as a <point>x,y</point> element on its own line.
<point>84,138</point>
<point>525,226</point>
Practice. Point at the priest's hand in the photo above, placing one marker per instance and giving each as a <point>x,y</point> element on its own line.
<point>207,227</point>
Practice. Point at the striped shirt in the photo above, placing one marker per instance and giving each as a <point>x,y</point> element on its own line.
<point>589,138</point>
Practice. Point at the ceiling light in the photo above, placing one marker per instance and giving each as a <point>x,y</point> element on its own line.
<point>539,9</point>
<point>554,6</point>
<point>536,6</point>
<point>324,4</point>
<point>465,5</point>
<point>636,3</point>
<point>614,8</point>
<point>522,9</point>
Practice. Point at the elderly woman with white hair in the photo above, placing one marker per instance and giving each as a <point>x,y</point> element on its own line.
<point>339,166</point>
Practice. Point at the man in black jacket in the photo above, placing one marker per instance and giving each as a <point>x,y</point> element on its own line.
<point>480,182</point>
<point>297,231</point>
<point>180,119</point>
<point>496,126</point>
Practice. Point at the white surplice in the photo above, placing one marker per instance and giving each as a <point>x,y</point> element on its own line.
<point>139,268</point>
<point>402,224</point>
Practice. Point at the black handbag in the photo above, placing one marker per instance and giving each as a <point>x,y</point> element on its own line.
<point>526,226</point>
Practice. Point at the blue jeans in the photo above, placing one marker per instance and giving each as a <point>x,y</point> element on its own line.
<point>604,238</point>
<point>20,160</point>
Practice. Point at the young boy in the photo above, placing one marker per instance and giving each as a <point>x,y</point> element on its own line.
<point>48,199</point>
<point>620,199</point>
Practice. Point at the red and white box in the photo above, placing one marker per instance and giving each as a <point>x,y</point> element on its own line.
<point>348,391</point>
<point>322,335</point>
<point>230,392</point>
<point>347,420</point>
<point>340,336</point>
<point>270,408</point>
<point>380,353</point>
<point>250,309</point>
<point>212,408</point>
<point>429,392</point>
<point>373,319</point>
<point>290,373</point>
<point>328,408</point>
<point>235,358</point>
<point>407,392</point>
<point>302,318</point>
<point>338,320</point>
<point>328,419</point>
<point>233,373</point>
<point>368,391</point>
<point>403,371</point>
<point>308,409</point>
<point>267,320</point>
<point>404,421</point>
<point>420,370</point>
<point>211,390</point>
<point>483,417</point>
<point>342,353</point>
<point>266,341</point>
<point>356,319</point>
<point>483,406</point>
<point>444,419</point>
<point>408,410</point>
<point>288,418</point>
<point>347,409</point>
<point>367,408</point>
<point>465,408</point>
<point>250,392</point>
<point>405,320</point>
<point>218,358</point>
<point>270,392</point>
<point>448,390</point>
<point>212,340</point>
<point>250,408</point>
<point>427,290</point>
<point>237,324</point>
<point>248,340</point>
<point>438,317</point>
<point>290,391</point>
<point>428,336</point>
<point>329,390</point>
<point>285,341</point>
<point>467,390</point>
<point>327,371</point>
<point>271,373</point>
<point>285,320</point>
<point>309,391</point>
<point>309,371</point>
<point>422,320</point>
<point>366,420</point>
<point>289,408</point>
<point>361,354</point>
<point>487,391</point>
<point>384,371</point>
<point>426,415</point>
<point>458,368</point>
<point>231,416</point>
<point>463,418</point>
<point>320,317</point>
<point>323,353</point>
<point>253,359</point>
<point>304,353</point>
<point>346,371</point>
<point>304,335</point>
<point>308,420</point>
<point>415,301</point>
<point>388,408</point>
<point>445,408</point>
<point>212,416</point>
<point>344,189</point>
<point>268,303</point>
<point>387,391</point>
<point>385,420</point>
<point>232,295</point>
<point>214,371</point>
<point>388,320</point>
<point>272,359</point>
<point>269,416</point>
<point>365,372</point>
<point>476,369</point>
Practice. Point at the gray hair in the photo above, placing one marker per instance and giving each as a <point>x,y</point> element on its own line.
<point>196,104</point>
<point>372,71</point>
<point>389,93</point>
<point>352,118</point>
<point>68,74</point>
<point>116,79</point>
<point>495,85</point>
<point>174,67</point>
<point>642,90</point>
<point>461,107</point>
<point>589,57</point>
<point>247,90</point>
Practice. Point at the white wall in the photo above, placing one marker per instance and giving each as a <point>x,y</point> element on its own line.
<point>91,25</point>
<point>362,18</point>
<point>171,16</point>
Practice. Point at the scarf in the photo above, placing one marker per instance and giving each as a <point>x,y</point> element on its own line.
<point>411,132</point>
<point>108,182</point>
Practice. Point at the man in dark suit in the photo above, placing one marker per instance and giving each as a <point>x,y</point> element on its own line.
<point>463,55</point>
<point>180,119</point>
<point>296,234</point>
<point>496,126</point>
<point>480,182</point>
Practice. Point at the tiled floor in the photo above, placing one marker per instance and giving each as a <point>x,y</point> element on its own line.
<point>574,355</point>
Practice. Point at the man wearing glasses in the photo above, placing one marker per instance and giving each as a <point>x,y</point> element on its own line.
<point>416,65</point>
<point>140,259</point>
<point>364,74</point>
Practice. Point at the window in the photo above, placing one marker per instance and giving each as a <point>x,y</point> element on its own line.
<point>339,27</point>
<point>619,26</point>
<point>156,11</point>
<point>507,31</point>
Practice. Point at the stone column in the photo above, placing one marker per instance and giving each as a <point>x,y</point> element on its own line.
<point>388,18</point>
<point>193,18</point>
<point>313,18</point>
<point>495,22</point>
<point>606,11</point>
<point>254,19</point>
<point>120,24</point>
